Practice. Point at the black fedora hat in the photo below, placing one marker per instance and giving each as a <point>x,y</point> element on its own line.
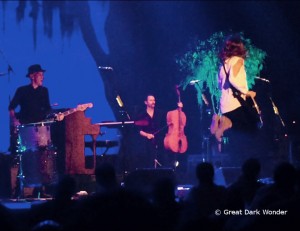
<point>34,68</point>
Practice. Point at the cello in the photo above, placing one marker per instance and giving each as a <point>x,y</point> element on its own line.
<point>175,140</point>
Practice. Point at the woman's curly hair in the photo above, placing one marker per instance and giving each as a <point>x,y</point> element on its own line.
<point>233,46</point>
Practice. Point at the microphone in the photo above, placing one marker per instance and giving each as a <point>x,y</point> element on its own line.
<point>192,82</point>
<point>105,68</point>
<point>262,79</point>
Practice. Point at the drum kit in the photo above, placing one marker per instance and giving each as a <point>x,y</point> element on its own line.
<point>36,155</point>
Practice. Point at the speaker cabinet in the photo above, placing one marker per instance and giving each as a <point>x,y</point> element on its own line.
<point>5,178</point>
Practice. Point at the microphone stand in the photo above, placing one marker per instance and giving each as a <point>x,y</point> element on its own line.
<point>276,112</point>
<point>290,149</point>
<point>205,137</point>
<point>9,68</point>
<point>283,125</point>
<point>125,136</point>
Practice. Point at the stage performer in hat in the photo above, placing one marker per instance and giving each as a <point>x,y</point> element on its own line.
<point>33,104</point>
<point>33,99</point>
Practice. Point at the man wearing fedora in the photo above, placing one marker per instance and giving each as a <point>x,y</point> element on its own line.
<point>33,99</point>
<point>34,106</point>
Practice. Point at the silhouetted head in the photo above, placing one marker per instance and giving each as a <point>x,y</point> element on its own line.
<point>251,168</point>
<point>66,188</point>
<point>105,175</point>
<point>164,190</point>
<point>205,173</point>
<point>47,225</point>
<point>285,175</point>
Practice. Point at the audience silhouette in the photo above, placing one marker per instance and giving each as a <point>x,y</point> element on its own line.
<point>106,178</point>
<point>241,192</point>
<point>6,222</point>
<point>47,225</point>
<point>284,186</point>
<point>164,202</point>
<point>115,207</point>
<point>203,199</point>
<point>276,205</point>
<point>56,210</point>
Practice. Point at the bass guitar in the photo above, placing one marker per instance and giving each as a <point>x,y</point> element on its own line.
<point>81,107</point>
<point>61,115</point>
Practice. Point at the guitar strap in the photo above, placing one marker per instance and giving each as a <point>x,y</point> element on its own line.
<point>236,93</point>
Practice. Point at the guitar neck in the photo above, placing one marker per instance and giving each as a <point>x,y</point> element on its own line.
<point>80,107</point>
<point>65,113</point>
<point>68,112</point>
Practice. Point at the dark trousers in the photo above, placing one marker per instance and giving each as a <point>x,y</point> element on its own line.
<point>242,137</point>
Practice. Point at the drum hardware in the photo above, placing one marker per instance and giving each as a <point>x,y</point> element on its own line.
<point>20,148</point>
<point>20,178</point>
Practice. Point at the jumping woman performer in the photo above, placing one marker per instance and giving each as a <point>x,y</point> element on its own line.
<point>234,90</point>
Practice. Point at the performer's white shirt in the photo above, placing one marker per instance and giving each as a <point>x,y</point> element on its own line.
<point>228,102</point>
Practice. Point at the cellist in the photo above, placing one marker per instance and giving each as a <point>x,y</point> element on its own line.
<point>152,153</point>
